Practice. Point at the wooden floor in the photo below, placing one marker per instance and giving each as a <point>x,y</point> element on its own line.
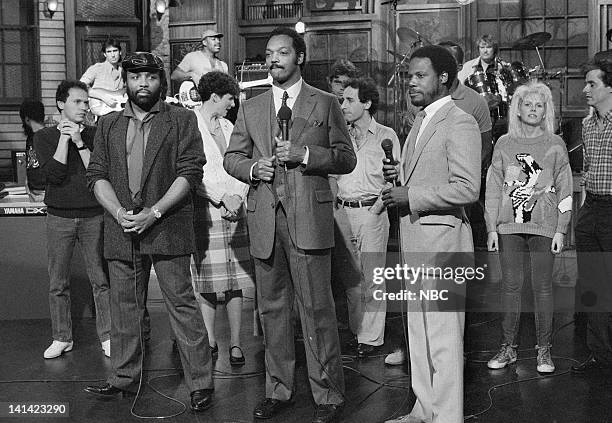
<point>375,392</point>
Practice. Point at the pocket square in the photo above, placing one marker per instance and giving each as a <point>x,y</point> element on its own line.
<point>317,123</point>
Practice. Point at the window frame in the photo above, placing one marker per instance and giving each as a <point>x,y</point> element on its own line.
<point>13,103</point>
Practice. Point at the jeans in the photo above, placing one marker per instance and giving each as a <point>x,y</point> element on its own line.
<point>594,250</point>
<point>62,236</point>
<point>515,251</point>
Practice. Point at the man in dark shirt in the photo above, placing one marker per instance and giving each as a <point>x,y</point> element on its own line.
<point>32,114</point>
<point>72,214</point>
<point>594,219</point>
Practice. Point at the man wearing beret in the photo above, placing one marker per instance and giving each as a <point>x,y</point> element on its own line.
<point>146,160</point>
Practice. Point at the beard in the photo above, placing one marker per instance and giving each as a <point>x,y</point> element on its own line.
<point>145,99</point>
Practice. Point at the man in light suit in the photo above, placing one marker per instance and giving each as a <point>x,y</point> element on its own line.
<point>291,223</point>
<point>439,176</point>
<point>145,162</point>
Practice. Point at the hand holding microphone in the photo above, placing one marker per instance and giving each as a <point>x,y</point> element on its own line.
<point>286,152</point>
<point>389,163</point>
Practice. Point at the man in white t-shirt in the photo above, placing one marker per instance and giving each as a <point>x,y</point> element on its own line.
<point>200,62</point>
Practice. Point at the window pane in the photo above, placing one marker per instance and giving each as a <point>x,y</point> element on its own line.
<point>510,9</point>
<point>533,8</point>
<point>577,7</point>
<point>556,7</point>
<point>577,31</point>
<point>577,57</point>
<point>557,28</point>
<point>486,9</point>
<point>13,81</point>
<point>10,12</point>
<point>510,32</point>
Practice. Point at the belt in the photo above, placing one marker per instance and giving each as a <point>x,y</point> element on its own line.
<point>599,197</point>
<point>354,204</point>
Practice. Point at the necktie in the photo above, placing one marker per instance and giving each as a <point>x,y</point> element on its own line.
<point>136,158</point>
<point>412,138</point>
<point>284,99</point>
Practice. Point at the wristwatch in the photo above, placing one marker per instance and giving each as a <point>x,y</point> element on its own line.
<point>156,212</point>
<point>83,147</point>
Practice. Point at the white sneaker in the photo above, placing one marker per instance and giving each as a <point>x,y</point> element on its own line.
<point>106,347</point>
<point>57,348</point>
<point>544,360</point>
<point>406,419</point>
<point>396,358</point>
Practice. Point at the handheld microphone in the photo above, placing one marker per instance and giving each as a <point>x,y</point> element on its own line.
<point>387,146</point>
<point>284,116</point>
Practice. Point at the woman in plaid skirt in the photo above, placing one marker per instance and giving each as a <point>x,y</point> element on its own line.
<point>221,265</point>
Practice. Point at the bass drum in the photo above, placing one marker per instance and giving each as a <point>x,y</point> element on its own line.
<point>514,75</point>
<point>484,84</point>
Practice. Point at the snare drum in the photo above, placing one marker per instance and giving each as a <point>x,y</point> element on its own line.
<point>485,84</point>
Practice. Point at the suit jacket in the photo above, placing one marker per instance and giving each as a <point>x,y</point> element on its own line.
<point>317,122</point>
<point>174,148</point>
<point>443,176</point>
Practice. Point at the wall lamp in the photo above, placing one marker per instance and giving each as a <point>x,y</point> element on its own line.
<point>51,7</point>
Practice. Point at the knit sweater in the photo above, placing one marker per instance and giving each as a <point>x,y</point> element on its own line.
<point>529,186</point>
<point>66,194</point>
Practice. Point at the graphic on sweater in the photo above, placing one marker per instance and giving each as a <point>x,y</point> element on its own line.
<point>524,193</point>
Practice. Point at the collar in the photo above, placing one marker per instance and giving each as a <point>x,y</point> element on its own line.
<point>437,105</point>
<point>110,66</point>
<point>292,91</point>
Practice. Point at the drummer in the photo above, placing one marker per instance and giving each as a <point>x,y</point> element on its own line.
<point>487,61</point>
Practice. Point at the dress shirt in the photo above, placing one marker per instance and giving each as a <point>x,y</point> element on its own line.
<point>430,112</point>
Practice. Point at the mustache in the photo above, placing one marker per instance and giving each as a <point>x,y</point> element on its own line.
<point>276,67</point>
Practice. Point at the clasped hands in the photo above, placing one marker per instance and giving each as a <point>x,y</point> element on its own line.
<point>231,205</point>
<point>137,223</point>
<point>286,153</point>
<point>393,196</point>
<point>70,131</point>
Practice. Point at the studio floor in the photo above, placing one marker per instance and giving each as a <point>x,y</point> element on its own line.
<point>375,392</point>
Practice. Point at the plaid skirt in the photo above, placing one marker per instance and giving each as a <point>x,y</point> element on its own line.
<point>222,260</point>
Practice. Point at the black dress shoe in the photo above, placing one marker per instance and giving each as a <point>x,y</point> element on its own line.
<point>327,413</point>
<point>108,391</point>
<point>364,350</point>
<point>201,399</point>
<point>591,363</point>
<point>269,407</point>
<point>236,361</point>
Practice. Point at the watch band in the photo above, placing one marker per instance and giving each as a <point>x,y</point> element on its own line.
<point>83,147</point>
<point>156,212</point>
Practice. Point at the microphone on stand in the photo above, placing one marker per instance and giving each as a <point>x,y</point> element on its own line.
<point>387,146</point>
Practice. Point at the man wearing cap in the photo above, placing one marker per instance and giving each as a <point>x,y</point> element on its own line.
<point>199,62</point>
<point>146,160</point>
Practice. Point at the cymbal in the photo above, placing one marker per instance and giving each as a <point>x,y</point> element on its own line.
<point>398,55</point>
<point>407,35</point>
<point>532,40</point>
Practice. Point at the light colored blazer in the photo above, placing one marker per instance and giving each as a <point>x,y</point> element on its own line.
<point>443,176</point>
<point>317,122</point>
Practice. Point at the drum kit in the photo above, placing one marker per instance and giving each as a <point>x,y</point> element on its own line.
<point>496,87</point>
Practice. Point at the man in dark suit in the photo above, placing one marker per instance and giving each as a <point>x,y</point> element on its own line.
<point>146,160</point>
<point>291,222</point>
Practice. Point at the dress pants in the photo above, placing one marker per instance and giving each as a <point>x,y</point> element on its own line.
<point>305,274</point>
<point>364,248</point>
<point>129,281</point>
<point>594,252</point>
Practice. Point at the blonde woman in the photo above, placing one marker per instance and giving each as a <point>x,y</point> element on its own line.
<point>528,205</point>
